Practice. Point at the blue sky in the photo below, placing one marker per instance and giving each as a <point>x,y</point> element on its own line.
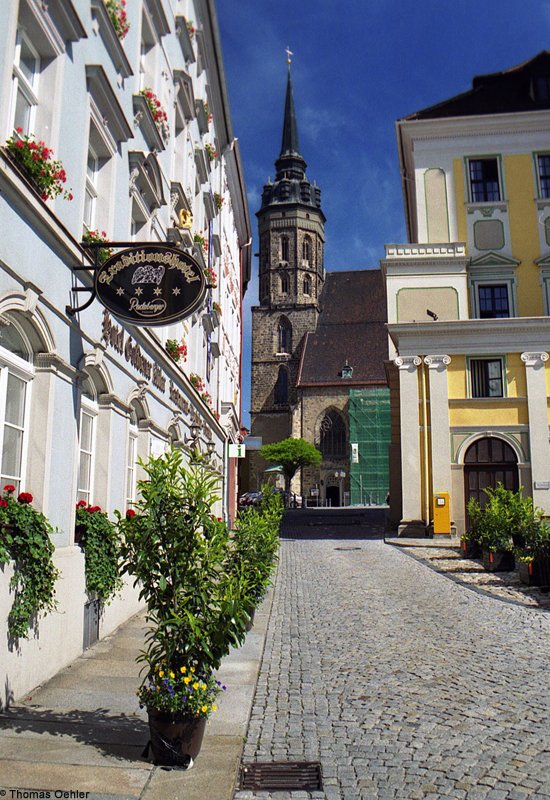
<point>358,65</point>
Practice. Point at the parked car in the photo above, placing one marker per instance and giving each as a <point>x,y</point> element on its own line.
<point>250,499</point>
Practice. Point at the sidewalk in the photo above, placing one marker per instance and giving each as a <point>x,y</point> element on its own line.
<point>81,735</point>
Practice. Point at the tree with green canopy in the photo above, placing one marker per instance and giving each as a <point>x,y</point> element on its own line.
<point>291,454</point>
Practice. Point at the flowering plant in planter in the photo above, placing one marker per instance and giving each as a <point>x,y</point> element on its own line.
<point>212,277</point>
<point>196,381</point>
<point>159,114</point>
<point>99,540</point>
<point>178,554</point>
<point>191,30</point>
<point>117,14</point>
<point>184,692</point>
<point>92,237</point>
<point>200,239</point>
<point>26,541</point>
<point>176,350</point>
<point>218,200</point>
<point>217,308</point>
<point>210,151</point>
<point>36,161</point>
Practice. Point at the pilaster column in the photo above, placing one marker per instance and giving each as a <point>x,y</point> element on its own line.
<point>538,426</point>
<point>439,422</point>
<point>411,484</point>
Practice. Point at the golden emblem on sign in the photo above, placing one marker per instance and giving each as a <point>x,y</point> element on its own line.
<point>185,218</point>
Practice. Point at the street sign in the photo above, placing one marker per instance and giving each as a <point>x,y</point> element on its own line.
<point>237,451</point>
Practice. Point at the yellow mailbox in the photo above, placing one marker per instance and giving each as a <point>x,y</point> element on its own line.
<point>442,513</point>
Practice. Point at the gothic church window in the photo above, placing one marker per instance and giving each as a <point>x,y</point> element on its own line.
<point>306,250</point>
<point>284,248</point>
<point>281,387</point>
<point>332,440</point>
<point>285,336</point>
<point>307,285</point>
<point>284,284</point>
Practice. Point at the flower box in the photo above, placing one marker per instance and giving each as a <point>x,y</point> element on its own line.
<point>536,572</point>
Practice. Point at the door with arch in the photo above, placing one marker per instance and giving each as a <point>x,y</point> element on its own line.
<point>487,462</point>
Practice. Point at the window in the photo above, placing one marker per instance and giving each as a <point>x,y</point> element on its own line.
<point>544,175</point>
<point>281,387</point>
<point>486,377</point>
<point>15,374</point>
<point>332,438</point>
<point>26,71</point>
<point>484,180</point>
<point>88,414</point>
<point>131,459</point>
<point>307,285</point>
<point>541,88</point>
<point>285,337</point>
<point>284,284</point>
<point>90,195</point>
<point>306,250</point>
<point>493,302</point>
<point>284,248</point>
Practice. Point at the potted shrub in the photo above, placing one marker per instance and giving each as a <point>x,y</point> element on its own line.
<point>533,555</point>
<point>26,541</point>
<point>196,598</point>
<point>470,545</point>
<point>503,521</point>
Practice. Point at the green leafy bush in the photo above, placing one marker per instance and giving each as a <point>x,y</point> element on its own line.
<point>26,541</point>
<point>179,554</point>
<point>101,546</point>
<point>508,520</point>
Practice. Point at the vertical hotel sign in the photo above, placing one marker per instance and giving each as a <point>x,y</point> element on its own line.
<point>151,284</point>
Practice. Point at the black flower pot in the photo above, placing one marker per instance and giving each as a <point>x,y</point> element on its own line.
<point>175,739</point>
<point>536,572</point>
<point>498,560</point>
<point>470,549</point>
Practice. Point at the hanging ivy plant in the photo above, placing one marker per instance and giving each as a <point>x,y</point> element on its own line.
<point>99,540</point>
<point>26,541</point>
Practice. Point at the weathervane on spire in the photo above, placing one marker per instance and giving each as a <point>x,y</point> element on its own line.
<point>289,53</point>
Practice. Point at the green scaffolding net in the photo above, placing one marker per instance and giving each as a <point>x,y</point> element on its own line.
<point>369,435</point>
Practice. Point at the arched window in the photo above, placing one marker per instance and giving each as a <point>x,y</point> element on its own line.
<point>284,283</point>
<point>285,336</point>
<point>306,249</point>
<point>284,248</point>
<point>307,285</point>
<point>332,439</point>
<point>15,376</point>
<point>281,387</point>
<point>87,439</point>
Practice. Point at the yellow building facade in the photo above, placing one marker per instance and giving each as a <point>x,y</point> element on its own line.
<point>469,300</point>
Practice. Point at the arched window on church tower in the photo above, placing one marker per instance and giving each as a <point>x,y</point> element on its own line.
<point>281,387</point>
<point>284,283</point>
<point>332,439</point>
<point>307,285</point>
<point>306,250</point>
<point>285,336</point>
<point>284,248</point>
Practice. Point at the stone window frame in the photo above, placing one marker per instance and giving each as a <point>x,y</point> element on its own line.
<point>470,360</point>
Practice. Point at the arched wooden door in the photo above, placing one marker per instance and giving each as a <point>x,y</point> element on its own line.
<point>487,462</point>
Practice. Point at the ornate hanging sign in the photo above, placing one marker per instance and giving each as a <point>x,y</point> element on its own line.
<point>151,284</point>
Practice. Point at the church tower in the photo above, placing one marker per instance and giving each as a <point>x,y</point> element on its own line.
<point>291,276</point>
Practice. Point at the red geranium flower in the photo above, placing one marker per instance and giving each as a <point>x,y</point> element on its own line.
<point>3,503</point>
<point>9,488</point>
<point>24,497</point>
<point>130,513</point>
<point>81,504</point>
<point>93,509</point>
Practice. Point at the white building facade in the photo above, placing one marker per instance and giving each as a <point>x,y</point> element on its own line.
<point>83,396</point>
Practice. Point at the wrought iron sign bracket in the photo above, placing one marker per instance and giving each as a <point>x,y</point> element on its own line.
<point>96,247</point>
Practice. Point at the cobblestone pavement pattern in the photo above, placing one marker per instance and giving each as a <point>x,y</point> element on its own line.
<point>402,683</point>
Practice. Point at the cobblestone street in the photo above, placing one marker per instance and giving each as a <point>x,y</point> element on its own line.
<point>399,681</point>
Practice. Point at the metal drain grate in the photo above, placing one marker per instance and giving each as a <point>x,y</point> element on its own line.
<point>348,548</point>
<point>290,776</point>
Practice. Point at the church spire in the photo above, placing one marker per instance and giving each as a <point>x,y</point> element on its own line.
<point>290,163</point>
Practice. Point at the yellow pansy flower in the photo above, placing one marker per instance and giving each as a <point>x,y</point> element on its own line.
<point>214,707</point>
<point>171,674</point>
<point>204,709</point>
<point>187,680</point>
<point>195,685</point>
<point>203,686</point>
<point>161,674</point>
<point>192,669</point>
<point>183,670</point>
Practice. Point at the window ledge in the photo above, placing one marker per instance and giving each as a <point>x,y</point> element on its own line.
<point>111,40</point>
<point>144,119</point>
<point>509,400</point>
<point>542,202</point>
